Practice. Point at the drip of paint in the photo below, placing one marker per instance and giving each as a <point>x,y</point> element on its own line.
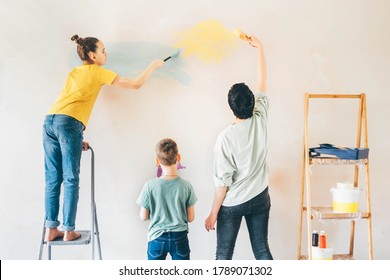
<point>159,170</point>
<point>209,40</point>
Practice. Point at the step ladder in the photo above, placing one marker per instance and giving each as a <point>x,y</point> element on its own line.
<point>87,236</point>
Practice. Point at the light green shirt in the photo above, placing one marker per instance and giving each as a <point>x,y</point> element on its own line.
<point>167,202</point>
<point>240,156</point>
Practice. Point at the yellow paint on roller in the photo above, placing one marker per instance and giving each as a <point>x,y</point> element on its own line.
<point>240,34</point>
<point>209,40</point>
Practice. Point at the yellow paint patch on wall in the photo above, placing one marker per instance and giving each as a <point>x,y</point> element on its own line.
<point>209,40</point>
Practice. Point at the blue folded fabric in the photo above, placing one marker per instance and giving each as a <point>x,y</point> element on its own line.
<point>326,150</point>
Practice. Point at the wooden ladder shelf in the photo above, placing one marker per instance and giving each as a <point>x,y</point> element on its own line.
<point>326,213</point>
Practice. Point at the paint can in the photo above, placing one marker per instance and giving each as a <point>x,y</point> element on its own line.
<point>345,200</point>
<point>322,253</point>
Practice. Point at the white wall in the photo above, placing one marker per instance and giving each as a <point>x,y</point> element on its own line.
<point>317,46</point>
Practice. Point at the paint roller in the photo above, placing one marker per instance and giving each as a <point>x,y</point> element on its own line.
<point>176,53</point>
<point>240,34</point>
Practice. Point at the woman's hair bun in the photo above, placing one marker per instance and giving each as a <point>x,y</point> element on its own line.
<point>79,41</point>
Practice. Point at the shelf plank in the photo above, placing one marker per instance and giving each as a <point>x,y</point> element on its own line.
<point>336,257</point>
<point>326,213</point>
<point>332,95</point>
<point>336,161</point>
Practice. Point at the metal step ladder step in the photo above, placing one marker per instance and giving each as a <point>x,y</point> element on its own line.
<point>84,239</point>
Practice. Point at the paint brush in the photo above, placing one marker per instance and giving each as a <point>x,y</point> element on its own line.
<point>176,53</point>
<point>240,34</point>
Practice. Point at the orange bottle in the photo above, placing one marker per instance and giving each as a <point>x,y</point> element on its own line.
<point>322,240</point>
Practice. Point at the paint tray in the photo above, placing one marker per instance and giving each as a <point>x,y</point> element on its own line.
<point>329,150</point>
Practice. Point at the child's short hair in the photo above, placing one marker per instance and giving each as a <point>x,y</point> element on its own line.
<point>167,151</point>
<point>241,101</point>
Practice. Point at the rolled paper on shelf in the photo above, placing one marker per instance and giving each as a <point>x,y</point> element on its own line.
<point>345,185</point>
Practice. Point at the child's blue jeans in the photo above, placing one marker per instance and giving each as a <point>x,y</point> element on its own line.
<point>63,143</point>
<point>256,213</point>
<point>174,243</point>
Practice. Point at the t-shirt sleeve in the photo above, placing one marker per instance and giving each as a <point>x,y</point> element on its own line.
<point>143,199</point>
<point>191,197</point>
<point>261,105</point>
<point>107,76</point>
<point>224,167</point>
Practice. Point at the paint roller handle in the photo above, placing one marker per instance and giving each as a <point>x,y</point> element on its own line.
<point>176,53</point>
<point>252,40</point>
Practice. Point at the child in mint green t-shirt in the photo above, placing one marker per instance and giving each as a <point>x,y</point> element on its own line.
<point>168,203</point>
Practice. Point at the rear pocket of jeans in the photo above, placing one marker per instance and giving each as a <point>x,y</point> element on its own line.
<point>156,248</point>
<point>182,247</point>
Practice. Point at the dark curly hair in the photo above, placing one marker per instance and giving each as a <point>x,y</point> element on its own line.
<point>241,100</point>
<point>84,46</point>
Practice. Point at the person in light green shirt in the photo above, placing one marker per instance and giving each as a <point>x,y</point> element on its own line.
<point>241,170</point>
<point>168,203</point>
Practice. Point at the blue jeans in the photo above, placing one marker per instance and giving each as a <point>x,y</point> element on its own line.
<point>62,143</point>
<point>174,243</point>
<point>256,213</point>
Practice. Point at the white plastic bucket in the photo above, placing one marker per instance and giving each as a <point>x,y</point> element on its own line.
<point>345,200</point>
<point>318,253</point>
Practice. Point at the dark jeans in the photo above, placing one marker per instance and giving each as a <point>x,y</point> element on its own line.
<point>174,243</point>
<point>256,213</point>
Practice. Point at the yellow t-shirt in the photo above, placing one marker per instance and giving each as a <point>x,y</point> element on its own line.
<point>81,90</point>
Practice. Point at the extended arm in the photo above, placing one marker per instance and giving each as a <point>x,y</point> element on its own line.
<point>219,196</point>
<point>261,66</point>
<point>136,83</point>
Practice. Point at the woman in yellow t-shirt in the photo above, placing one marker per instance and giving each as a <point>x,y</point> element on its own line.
<point>63,131</point>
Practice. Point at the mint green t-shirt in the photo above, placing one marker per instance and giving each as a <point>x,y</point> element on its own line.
<point>240,156</point>
<point>167,202</point>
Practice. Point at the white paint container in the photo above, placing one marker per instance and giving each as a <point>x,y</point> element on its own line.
<point>345,200</point>
<point>318,253</point>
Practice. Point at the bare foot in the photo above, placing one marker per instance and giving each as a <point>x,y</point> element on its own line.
<point>71,235</point>
<point>53,233</point>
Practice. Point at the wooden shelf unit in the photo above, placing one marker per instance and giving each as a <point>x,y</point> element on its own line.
<point>325,212</point>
